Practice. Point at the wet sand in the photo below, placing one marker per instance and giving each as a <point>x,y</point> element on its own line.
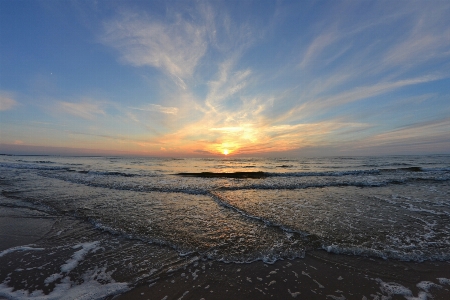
<point>320,275</point>
<point>20,226</point>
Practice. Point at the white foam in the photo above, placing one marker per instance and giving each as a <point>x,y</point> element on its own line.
<point>88,290</point>
<point>336,297</point>
<point>320,286</point>
<point>293,294</point>
<point>422,296</point>
<point>444,280</point>
<point>426,285</point>
<point>78,256</point>
<point>52,278</point>
<point>184,294</point>
<point>392,288</point>
<point>306,274</point>
<point>194,274</point>
<point>19,248</point>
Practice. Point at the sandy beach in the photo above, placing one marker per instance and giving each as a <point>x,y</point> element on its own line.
<point>320,275</point>
<point>20,226</point>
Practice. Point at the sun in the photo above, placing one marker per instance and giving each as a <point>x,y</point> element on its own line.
<point>225,151</point>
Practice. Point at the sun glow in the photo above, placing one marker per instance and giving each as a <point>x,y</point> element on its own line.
<point>225,151</point>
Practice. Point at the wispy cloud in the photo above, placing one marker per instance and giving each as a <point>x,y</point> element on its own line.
<point>158,108</point>
<point>414,132</point>
<point>428,136</point>
<point>426,40</point>
<point>86,109</point>
<point>175,47</point>
<point>317,46</point>
<point>250,83</point>
<point>311,104</point>
<point>360,93</point>
<point>343,61</point>
<point>228,83</point>
<point>6,101</point>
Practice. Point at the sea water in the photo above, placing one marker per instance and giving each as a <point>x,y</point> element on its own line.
<point>163,213</point>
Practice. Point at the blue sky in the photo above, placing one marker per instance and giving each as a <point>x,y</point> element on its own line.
<point>193,78</point>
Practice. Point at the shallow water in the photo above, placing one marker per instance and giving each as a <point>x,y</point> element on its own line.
<point>391,207</point>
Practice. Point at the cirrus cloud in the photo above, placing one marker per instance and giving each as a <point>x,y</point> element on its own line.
<point>175,48</point>
<point>158,108</point>
<point>86,109</point>
<point>7,102</point>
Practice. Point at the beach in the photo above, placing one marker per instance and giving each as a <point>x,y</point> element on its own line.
<point>319,275</point>
<point>213,149</point>
<point>115,228</point>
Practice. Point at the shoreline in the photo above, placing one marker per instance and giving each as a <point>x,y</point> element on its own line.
<point>319,275</point>
<point>22,226</point>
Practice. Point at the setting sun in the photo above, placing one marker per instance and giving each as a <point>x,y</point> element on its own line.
<point>225,151</point>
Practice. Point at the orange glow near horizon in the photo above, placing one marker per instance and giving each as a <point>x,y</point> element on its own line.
<point>226,148</point>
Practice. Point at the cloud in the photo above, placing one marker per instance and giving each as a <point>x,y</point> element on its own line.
<point>317,46</point>
<point>432,136</point>
<point>244,101</point>
<point>86,109</point>
<point>365,92</point>
<point>414,132</point>
<point>202,152</point>
<point>174,47</point>
<point>228,83</point>
<point>158,108</point>
<point>317,104</point>
<point>7,102</point>
<point>427,39</point>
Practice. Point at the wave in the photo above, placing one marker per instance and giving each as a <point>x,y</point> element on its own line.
<point>222,202</point>
<point>37,161</point>
<point>377,165</point>
<point>296,186</point>
<point>128,186</point>
<point>445,169</point>
<point>258,174</point>
<point>417,169</point>
<point>200,187</point>
<point>387,253</point>
<point>405,169</point>
<point>32,166</point>
<point>40,167</point>
<point>106,173</point>
<point>325,173</point>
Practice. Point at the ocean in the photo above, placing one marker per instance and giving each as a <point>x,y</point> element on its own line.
<point>117,222</point>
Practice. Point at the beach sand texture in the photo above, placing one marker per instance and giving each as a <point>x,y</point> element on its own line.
<point>319,275</point>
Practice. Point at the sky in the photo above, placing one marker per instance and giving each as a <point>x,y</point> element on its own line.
<point>209,78</point>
